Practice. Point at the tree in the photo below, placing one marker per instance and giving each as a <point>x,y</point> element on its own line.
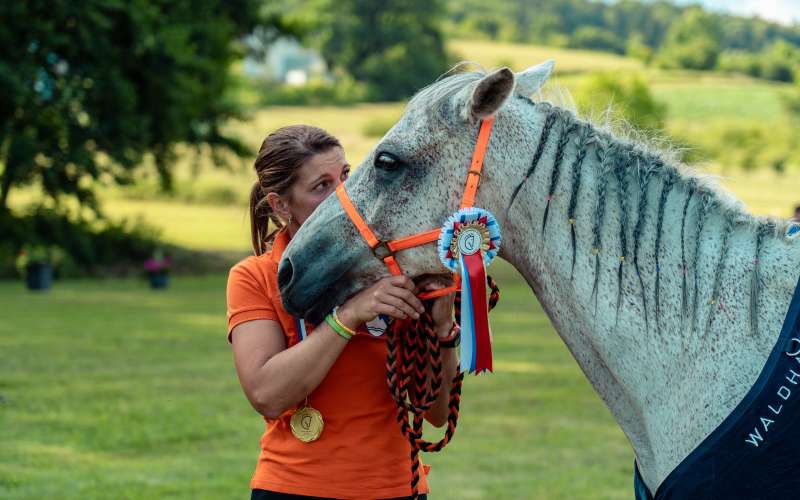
<point>552,21</point>
<point>590,37</point>
<point>780,61</point>
<point>636,48</point>
<point>88,88</point>
<point>395,46</point>
<point>693,41</point>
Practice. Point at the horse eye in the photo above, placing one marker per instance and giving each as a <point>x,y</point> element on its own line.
<point>386,161</point>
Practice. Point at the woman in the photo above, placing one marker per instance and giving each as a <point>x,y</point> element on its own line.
<point>344,441</point>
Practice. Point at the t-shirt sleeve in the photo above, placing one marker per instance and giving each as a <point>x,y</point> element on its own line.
<point>247,296</point>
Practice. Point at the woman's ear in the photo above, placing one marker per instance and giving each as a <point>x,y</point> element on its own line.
<point>279,205</point>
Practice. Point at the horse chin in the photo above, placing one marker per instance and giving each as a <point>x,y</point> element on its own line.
<point>433,280</point>
<point>309,305</point>
<point>322,305</point>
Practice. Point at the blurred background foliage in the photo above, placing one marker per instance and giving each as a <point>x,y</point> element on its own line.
<point>145,115</point>
<point>90,90</point>
<point>394,47</point>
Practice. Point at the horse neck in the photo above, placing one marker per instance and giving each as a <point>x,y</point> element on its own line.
<point>669,298</point>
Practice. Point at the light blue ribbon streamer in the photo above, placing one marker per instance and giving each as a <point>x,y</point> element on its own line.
<point>468,351</point>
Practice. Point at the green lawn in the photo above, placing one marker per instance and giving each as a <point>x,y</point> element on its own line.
<point>111,390</point>
<point>198,226</point>
<point>698,96</point>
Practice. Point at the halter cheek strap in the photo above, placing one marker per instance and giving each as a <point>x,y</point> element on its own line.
<point>385,250</point>
<point>476,165</point>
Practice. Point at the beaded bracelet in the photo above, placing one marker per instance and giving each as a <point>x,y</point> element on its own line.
<point>338,328</point>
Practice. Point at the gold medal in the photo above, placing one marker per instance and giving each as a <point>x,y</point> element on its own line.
<point>306,424</point>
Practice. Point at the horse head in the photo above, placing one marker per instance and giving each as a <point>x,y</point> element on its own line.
<point>410,182</point>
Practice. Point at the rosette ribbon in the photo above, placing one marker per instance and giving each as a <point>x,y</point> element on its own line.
<point>469,240</point>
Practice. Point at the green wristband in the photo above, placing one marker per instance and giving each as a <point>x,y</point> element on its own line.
<point>337,327</point>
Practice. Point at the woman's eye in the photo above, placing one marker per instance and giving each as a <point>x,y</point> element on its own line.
<point>321,186</point>
<point>386,161</point>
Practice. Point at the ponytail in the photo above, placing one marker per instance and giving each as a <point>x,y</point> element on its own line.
<point>260,216</point>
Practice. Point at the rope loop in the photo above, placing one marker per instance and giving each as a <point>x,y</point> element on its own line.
<point>413,346</point>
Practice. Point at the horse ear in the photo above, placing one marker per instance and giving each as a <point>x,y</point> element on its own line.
<point>490,94</point>
<point>532,79</point>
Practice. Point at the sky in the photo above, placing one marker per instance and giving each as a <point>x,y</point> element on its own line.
<point>782,11</point>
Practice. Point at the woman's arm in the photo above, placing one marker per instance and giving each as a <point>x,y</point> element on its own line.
<point>275,378</point>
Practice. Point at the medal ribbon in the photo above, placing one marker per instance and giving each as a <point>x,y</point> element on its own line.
<point>476,344</point>
<point>301,329</point>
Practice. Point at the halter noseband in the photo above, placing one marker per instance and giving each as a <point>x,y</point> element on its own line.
<point>385,249</point>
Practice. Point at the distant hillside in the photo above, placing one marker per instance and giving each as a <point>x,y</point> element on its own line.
<point>519,56</point>
<point>600,25</point>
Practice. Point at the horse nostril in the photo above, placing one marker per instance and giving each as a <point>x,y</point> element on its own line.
<point>285,273</point>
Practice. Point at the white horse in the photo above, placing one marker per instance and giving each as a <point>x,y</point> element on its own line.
<point>666,291</point>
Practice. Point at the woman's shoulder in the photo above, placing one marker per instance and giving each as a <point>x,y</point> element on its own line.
<point>252,268</point>
<point>252,261</point>
<point>251,292</point>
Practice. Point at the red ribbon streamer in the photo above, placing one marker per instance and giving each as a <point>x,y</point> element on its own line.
<point>480,308</point>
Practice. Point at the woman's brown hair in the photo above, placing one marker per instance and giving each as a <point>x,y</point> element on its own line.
<point>280,157</point>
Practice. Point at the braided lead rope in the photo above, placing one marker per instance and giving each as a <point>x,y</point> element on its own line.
<point>411,347</point>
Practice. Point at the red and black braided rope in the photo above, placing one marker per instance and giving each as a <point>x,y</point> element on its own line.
<point>412,346</point>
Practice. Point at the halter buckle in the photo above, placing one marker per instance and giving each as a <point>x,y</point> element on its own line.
<point>382,250</point>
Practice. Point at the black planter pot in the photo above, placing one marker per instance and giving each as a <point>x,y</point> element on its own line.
<point>158,279</point>
<point>39,276</point>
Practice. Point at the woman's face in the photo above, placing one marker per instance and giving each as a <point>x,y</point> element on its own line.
<point>316,179</point>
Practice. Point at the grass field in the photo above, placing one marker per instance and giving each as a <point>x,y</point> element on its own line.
<point>110,390</point>
<point>491,54</point>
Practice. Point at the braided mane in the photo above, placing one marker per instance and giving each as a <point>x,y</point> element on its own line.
<point>630,166</point>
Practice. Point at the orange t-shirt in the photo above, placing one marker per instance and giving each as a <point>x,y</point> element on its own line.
<point>361,452</point>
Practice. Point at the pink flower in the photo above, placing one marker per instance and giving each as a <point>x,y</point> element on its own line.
<point>152,265</point>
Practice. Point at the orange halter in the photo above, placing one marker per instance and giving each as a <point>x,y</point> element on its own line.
<point>386,249</point>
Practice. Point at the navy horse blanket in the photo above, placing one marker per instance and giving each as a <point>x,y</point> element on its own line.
<point>754,453</point>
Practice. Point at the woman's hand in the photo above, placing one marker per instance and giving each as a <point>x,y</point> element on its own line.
<point>394,296</point>
<point>442,311</point>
